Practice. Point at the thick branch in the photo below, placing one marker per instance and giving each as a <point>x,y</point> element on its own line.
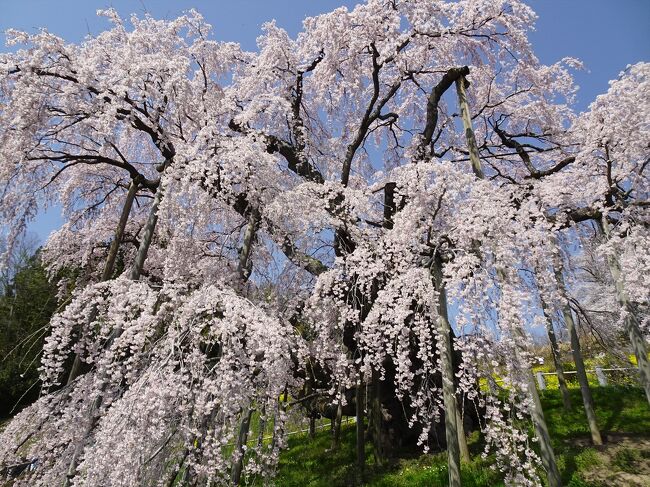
<point>297,164</point>
<point>432,105</point>
<point>371,114</point>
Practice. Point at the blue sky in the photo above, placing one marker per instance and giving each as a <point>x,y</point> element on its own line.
<point>606,35</point>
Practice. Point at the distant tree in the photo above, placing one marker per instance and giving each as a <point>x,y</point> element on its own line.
<point>27,302</point>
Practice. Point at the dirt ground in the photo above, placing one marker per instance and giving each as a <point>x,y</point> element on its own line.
<point>624,461</point>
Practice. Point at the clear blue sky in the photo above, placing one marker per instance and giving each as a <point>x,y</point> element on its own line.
<point>606,35</point>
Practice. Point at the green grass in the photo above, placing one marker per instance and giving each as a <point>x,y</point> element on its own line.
<point>309,463</point>
<point>626,459</point>
<point>618,409</point>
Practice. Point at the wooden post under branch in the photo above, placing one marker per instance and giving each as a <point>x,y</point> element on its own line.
<point>447,373</point>
<point>602,379</point>
<point>581,372</point>
<point>109,266</point>
<point>631,320</point>
<point>537,412</point>
<point>555,352</point>
<point>547,454</point>
<point>360,433</point>
<point>119,232</point>
<point>461,85</point>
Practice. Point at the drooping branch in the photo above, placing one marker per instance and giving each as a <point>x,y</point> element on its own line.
<point>71,160</point>
<point>156,134</point>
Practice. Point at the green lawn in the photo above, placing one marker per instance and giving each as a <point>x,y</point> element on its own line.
<point>623,416</point>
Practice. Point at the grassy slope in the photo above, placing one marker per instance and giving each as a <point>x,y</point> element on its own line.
<point>619,410</point>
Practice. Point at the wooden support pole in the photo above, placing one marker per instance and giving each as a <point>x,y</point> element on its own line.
<point>447,373</point>
<point>581,372</point>
<point>632,327</point>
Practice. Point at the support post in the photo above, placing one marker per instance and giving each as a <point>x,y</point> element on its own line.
<point>109,266</point>
<point>557,361</point>
<point>447,373</point>
<point>581,372</point>
<point>631,321</point>
<point>240,451</point>
<point>472,147</point>
<point>360,433</point>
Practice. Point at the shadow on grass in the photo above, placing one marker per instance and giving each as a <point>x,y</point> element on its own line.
<point>309,462</point>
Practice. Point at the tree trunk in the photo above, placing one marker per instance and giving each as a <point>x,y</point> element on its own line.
<point>631,321</point>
